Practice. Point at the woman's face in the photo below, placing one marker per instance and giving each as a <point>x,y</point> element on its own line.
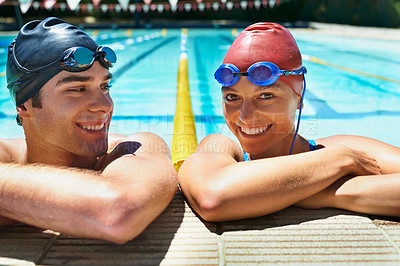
<point>261,117</point>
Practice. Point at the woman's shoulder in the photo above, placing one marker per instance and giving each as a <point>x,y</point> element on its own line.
<point>350,140</point>
<point>388,156</point>
<point>374,147</point>
<point>218,143</point>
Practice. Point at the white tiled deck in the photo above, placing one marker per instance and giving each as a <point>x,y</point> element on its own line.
<point>291,236</point>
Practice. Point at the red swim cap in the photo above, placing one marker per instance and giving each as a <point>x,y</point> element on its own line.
<point>268,42</point>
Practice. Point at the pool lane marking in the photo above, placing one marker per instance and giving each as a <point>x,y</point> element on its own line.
<point>325,63</point>
<point>234,32</point>
<point>134,61</point>
<point>184,140</point>
<point>204,87</point>
<point>127,34</point>
<point>138,39</point>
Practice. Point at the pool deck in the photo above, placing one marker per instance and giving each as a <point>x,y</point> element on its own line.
<point>178,236</point>
<point>392,34</point>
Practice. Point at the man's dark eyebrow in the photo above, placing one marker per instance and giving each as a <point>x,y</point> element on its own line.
<point>75,78</point>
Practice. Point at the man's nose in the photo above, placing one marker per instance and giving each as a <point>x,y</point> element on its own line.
<point>101,102</point>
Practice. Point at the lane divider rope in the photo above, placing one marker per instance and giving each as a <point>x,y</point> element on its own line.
<point>184,140</point>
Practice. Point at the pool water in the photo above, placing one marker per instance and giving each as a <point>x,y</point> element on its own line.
<point>337,101</point>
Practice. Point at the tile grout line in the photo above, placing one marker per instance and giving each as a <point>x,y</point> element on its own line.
<point>46,249</point>
<point>219,227</point>
<point>221,250</point>
<point>397,248</point>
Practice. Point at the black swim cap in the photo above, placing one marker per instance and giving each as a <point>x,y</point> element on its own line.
<point>38,44</point>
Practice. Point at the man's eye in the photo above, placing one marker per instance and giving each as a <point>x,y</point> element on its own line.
<point>106,89</point>
<point>231,97</point>
<point>266,96</point>
<point>78,89</point>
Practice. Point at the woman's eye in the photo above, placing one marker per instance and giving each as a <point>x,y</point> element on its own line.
<point>266,96</point>
<point>231,97</point>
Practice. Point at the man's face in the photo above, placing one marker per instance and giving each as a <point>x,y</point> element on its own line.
<point>76,113</point>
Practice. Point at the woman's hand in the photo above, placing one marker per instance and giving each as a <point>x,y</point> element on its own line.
<point>360,162</point>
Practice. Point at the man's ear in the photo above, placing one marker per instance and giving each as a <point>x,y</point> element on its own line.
<point>25,110</point>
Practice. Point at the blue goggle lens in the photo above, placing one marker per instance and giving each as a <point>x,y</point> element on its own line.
<point>110,56</point>
<point>263,74</point>
<point>83,56</point>
<point>225,74</point>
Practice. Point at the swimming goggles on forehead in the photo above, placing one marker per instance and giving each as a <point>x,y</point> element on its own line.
<point>260,73</point>
<point>80,58</point>
<point>76,59</point>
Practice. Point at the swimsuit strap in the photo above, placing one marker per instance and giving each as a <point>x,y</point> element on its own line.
<point>313,145</point>
<point>246,157</point>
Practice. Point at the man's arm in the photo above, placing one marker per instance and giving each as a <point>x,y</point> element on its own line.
<point>220,188</point>
<point>8,153</point>
<point>114,205</point>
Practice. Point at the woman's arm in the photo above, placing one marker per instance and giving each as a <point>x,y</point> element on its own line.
<point>220,188</point>
<point>372,194</point>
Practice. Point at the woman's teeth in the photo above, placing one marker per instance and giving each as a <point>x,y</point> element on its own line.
<point>254,130</point>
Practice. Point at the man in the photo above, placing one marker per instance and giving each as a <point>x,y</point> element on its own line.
<point>69,174</point>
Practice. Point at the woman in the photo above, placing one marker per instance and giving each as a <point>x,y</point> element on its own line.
<point>262,80</point>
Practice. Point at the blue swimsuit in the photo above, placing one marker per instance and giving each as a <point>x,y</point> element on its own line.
<point>313,147</point>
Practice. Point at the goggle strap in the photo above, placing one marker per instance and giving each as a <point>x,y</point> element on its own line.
<point>300,71</point>
<point>285,73</point>
<point>298,119</point>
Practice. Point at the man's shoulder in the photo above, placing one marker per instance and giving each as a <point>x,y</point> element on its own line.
<point>12,150</point>
<point>148,142</point>
<point>139,136</point>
